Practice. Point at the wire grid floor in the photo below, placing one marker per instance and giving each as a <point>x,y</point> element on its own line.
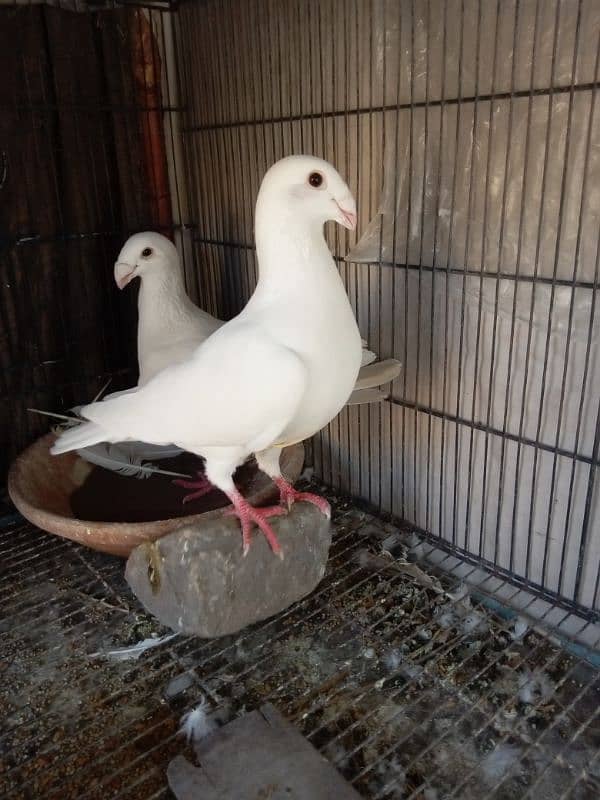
<point>412,688</point>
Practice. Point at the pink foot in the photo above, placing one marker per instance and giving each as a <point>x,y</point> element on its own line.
<point>247,514</point>
<point>288,496</point>
<point>202,486</point>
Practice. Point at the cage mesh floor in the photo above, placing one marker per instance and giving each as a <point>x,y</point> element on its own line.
<point>412,686</point>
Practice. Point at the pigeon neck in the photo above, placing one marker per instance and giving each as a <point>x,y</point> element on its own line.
<point>285,242</point>
<point>168,282</point>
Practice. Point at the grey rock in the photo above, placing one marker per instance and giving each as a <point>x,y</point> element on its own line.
<point>197,581</point>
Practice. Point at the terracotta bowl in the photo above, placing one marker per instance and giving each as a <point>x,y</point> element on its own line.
<point>42,488</point>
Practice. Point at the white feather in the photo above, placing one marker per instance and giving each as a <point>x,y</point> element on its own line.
<point>361,396</point>
<point>134,651</point>
<point>119,458</point>
<point>196,724</point>
<point>367,356</point>
<point>378,374</point>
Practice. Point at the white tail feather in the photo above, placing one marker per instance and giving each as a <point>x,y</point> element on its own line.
<point>361,396</point>
<point>378,374</point>
<point>77,437</point>
<point>367,357</point>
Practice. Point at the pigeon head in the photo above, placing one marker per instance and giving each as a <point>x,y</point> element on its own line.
<point>142,254</point>
<point>308,188</point>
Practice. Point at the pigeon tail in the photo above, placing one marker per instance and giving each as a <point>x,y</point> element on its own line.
<point>77,438</point>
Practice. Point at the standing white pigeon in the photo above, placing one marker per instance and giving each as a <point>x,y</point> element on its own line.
<point>272,376</point>
<point>171,326</point>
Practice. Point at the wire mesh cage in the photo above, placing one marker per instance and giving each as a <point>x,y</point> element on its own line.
<point>469,133</point>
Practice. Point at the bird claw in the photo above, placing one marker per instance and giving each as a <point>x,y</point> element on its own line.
<point>202,486</point>
<point>247,515</point>
<point>289,496</point>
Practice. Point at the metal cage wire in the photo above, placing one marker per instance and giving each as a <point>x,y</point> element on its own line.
<point>469,132</point>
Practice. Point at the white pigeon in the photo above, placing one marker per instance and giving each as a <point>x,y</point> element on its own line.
<point>171,326</point>
<point>272,376</point>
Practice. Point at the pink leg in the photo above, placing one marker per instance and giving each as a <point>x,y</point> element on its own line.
<point>202,486</point>
<point>247,514</point>
<point>288,496</point>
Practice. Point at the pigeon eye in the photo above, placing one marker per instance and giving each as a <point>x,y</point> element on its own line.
<point>147,252</point>
<point>315,179</point>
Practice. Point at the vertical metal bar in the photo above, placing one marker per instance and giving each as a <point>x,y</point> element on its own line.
<point>464,290</point>
<point>379,406</point>
<point>358,195</point>
<point>421,258</point>
<point>503,212</point>
<point>405,512</point>
<point>334,479</point>
<point>416,413</point>
<point>500,491</point>
<point>541,221</point>
<point>393,443</point>
<point>449,255</point>
<point>559,231</point>
<point>490,147</point>
<point>350,268</point>
<point>321,82</point>
<point>480,304</point>
<point>442,111</point>
<point>362,410</point>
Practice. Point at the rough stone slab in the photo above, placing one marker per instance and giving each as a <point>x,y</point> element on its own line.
<point>197,581</point>
<point>259,755</point>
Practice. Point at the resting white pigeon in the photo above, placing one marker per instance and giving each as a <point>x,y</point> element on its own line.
<point>170,326</point>
<point>272,376</point>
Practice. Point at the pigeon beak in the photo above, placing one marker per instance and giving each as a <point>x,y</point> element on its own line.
<point>347,216</point>
<point>124,273</point>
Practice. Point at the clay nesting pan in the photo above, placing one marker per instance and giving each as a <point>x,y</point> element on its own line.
<point>46,488</point>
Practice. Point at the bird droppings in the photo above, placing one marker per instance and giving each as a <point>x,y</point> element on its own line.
<point>392,660</point>
<point>534,687</point>
<point>520,628</point>
<point>469,711</point>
